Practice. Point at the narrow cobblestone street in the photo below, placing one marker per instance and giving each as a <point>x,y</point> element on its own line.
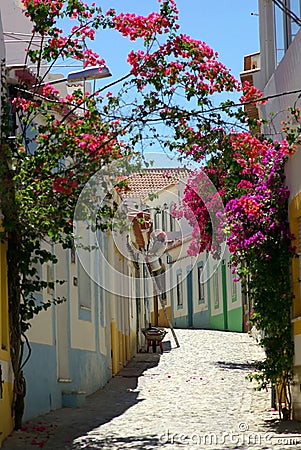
<point>192,397</point>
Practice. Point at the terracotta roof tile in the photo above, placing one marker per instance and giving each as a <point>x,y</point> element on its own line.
<point>151,181</point>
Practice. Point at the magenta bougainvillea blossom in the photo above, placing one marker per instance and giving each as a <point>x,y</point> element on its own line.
<point>249,177</point>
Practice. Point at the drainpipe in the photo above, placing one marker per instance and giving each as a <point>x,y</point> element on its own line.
<point>267,40</point>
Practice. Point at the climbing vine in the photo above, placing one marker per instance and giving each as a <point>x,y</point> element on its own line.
<point>249,176</point>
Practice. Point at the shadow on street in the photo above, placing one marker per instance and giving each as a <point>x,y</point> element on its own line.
<point>235,365</point>
<point>74,426</point>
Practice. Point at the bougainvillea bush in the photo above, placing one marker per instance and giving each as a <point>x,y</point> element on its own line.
<point>249,177</point>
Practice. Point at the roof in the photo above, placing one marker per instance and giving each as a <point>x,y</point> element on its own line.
<point>151,181</point>
<point>140,186</point>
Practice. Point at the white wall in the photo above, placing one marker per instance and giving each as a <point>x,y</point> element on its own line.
<point>14,21</point>
<point>286,78</point>
<point>42,325</point>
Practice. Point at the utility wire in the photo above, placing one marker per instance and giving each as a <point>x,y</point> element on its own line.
<point>287,11</point>
<point>253,102</point>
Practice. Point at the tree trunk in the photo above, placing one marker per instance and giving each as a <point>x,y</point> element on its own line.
<point>10,211</point>
<point>14,298</point>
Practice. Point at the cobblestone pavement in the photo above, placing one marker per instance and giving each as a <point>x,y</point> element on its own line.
<point>192,397</point>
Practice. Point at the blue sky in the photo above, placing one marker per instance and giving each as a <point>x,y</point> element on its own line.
<point>227,26</point>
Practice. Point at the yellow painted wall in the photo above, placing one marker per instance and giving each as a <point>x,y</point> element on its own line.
<point>6,420</point>
<point>294,213</point>
<point>114,348</point>
<point>162,321</point>
<point>6,423</point>
<point>123,348</point>
<point>297,327</point>
<point>127,348</point>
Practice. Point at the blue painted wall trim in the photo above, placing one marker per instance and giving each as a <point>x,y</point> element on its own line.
<point>89,371</point>
<point>180,322</point>
<point>189,287</point>
<point>201,320</point>
<point>43,392</point>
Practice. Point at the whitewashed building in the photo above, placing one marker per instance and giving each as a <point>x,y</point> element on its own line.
<point>276,69</point>
<point>76,346</point>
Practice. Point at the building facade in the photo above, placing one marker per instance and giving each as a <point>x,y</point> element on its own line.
<point>6,375</point>
<point>201,291</point>
<point>198,292</point>
<point>77,345</point>
<point>276,71</point>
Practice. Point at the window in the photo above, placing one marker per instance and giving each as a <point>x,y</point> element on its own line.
<point>201,284</point>
<point>171,219</point>
<point>179,290</point>
<point>286,27</point>
<point>161,283</point>
<point>156,220</point>
<point>164,219</point>
<point>31,134</point>
<point>84,287</point>
<point>215,288</point>
<point>279,34</point>
<point>49,279</point>
<point>295,8</point>
<point>234,287</point>
<point>72,253</point>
